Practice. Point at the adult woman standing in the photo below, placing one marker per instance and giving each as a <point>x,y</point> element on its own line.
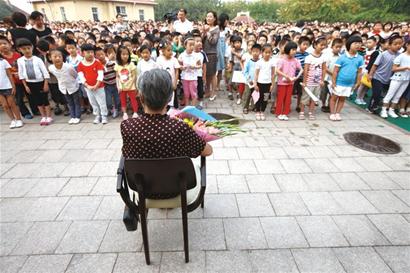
<point>220,66</point>
<point>210,37</point>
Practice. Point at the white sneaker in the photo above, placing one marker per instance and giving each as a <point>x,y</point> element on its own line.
<point>363,102</point>
<point>358,101</point>
<point>135,115</point>
<point>97,120</point>
<point>43,121</point>
<point>212,98</point>
<point>124,116</point>
<point>19,123</point>
<point>285,117</point>
<point>383,113</point>
<point>76,121</point>
<point>392,114</point>
<point>104,120</point>
<point>49,120</point>
<point>71,121</point>
<point>12,124</point>
<point>238,101</point>
<point>280,117</point>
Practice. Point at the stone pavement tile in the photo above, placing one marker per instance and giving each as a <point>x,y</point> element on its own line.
<point>295,166</point>
<point>277,142</point>
<point>46,264</point>
<point>225,153</point>
<point>50,169</point>
<point>12,170</point>
<point>321,203</point>
<point>272,261</point>
<point>242,167</point>
<point>173,262</point>
<point>255,204</point>
<point>283,232</point>
<point>268,166</point>
<point>386,202</point>
<point>52,144</point>
<point>262,183</point>
<point>317,260</point>
<point>76,169</point>
<point>297,152</point>
<point>232,184</point>
<point>401,178</point>
<point>378,181</point>
<point>233,142</point>
<point>24,156</point>
<point>274,153</point>
<point>372,164</point>
<point>50,155</point>
<point>321,140</point>
<point>347,165</point>
<point>321,151</point>
<point>217,167</point>
<point>349,181</point>
<point>361,259</point>
<point>220,205</point>
<point>320,182</point>
<point>96,263</point>
<point>249,153</point>
<point>12,264</point>
<point>11,234</point>
<point>394,227</point>
<point>105,186</point>
<point>42,238</point>
<point>18,187</point>
<point>101,155</point>
<point>345,150</point>
<point>98,144</point>
<point>291,182</point>
<point>118,239</point>
<point>80,208</point>
<point>353,202</point>
<point>321,231</point>
<point>135,263</point>
<point>83,237</point>
<point>111,208</point>
<point>211,184</point>
<point>255,141</point>
<point>175,213</point>
<point>396,257</point>
<point>407,216</point>
<point>359,231</point>
<point>321,165</point>
<point>45,208</point>
<point>404,195</point>
<point>73,155</point>
<point>78,186</point>
<point>286,204</point>
<point>47,187</point>
<point>228,262</point>
<point>244,233</point>
<point>104,169</point>
<point>15,209</point>
<point>205,234</point>
<point>397,163</point>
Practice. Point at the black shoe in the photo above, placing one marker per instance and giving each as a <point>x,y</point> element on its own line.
<point>298,109</point>
<point>66,113</point>
<point>130,219</point>
<point>325,109</point>
<point>57,111</point>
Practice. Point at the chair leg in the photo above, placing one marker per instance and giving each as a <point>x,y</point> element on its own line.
<point>202,203</point>
<point>185,231</point>
<point>144,230</point>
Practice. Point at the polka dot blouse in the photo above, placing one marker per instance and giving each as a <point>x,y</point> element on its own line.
<point>159,136</point>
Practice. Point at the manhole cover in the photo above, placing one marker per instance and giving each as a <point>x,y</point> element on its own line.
<point>372,143</point>
<point>222,116</point>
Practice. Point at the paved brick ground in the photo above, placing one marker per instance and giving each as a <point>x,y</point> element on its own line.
<point>283,197</point>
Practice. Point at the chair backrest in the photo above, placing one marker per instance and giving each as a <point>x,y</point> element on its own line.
<point>160,176</point>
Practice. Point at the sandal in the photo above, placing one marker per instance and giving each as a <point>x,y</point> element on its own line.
<point>263,116</point>
<point>258,116</point>
<point>404,114</point>
<point>245,110</point>
<point>311,116</point>
<point>301,115</point>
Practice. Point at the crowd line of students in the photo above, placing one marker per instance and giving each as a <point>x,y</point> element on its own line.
<point>99,73</point>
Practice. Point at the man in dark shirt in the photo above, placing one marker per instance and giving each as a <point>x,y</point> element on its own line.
<point>39,28</point>
<point>20,31</point>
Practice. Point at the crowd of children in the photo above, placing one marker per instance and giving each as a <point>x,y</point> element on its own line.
<point>97,71</point>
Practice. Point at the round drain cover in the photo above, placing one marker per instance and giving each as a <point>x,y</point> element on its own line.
<point>372,143</point>
<point>222,116</point>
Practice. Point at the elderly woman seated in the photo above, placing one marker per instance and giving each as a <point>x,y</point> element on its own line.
<point>154,134</point>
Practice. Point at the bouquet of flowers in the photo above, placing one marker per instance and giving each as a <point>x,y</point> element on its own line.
<point>206,126</point>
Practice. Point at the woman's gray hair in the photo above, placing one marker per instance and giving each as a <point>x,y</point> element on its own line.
<point>155,87</point>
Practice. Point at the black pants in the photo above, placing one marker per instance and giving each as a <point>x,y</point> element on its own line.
<point>20,93</point>
<point>264,89</point>
<point>37,95</point>
<point>56,95</point>
<point>200,88</point>
<point>377,89</point>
